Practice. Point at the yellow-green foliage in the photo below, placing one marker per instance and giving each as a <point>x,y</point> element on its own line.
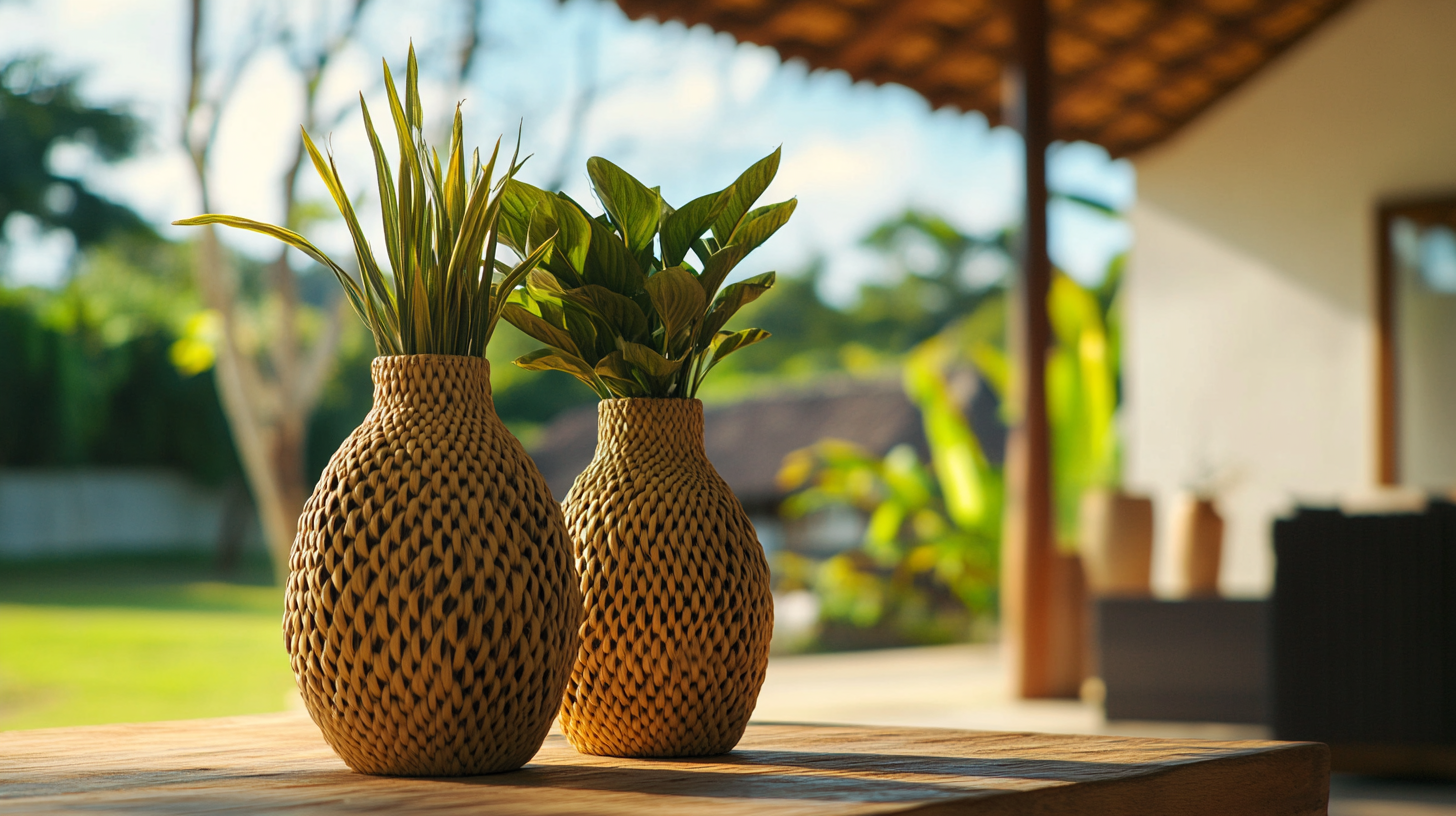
<point>446,288</point>
<point>1082,381</point>
<point>939,523</point>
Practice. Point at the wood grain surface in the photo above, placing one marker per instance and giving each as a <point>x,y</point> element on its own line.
<point>280,763</point>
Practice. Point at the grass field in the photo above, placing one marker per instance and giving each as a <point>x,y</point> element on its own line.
<point>138,638</point>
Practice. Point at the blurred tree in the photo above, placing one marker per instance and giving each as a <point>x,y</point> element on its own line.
<point>274,352</point>
<point>39,114</point>
<point>937,274</point>
<point>933,529</point>
<point>950,272</point>
<point>90,378</point>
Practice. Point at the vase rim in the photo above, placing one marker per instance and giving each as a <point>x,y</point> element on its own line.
<point>429,377</point>
<point>405,357</point>
<point>684,400</point>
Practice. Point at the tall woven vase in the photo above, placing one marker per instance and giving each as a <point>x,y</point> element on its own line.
<point>432,610</point>
<point>678,611</point>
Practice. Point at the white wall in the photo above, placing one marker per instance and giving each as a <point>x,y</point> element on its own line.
<point>1249,343</point>
<point>68,512</point>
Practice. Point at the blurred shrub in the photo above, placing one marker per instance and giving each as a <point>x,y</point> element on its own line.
<point>1084,384</point>
<point>88,375</point>
<point>40,112</point>
<point>927,565</point>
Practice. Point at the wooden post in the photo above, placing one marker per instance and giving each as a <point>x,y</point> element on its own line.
<point>1044,658</point>
<point>1387,400</point>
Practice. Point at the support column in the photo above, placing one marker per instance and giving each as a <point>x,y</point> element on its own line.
<point>1041,593</point>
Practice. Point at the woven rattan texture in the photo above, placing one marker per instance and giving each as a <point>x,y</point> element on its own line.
<point>678,611</point>
<point>432,609</point>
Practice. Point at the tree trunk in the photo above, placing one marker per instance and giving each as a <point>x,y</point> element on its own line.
<point>253,440</point>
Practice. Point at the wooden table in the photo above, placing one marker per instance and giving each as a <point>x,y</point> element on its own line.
<point>279,763</point>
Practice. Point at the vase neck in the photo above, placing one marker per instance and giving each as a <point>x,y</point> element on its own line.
<point>435,383</point>
<point>668,424</point>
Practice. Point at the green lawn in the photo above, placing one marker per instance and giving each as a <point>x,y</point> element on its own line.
<point>139,638</point>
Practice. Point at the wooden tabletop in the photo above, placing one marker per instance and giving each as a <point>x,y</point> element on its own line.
<point>278,763</point>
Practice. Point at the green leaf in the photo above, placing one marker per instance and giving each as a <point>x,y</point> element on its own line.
<point>383,175</point>
<point>678,300</point>
<point>610,264</point>
<point>520,203</point>
<point>541,285</point>
<point>529,214</point>
<point>442,225</point>
<point>634,208</point>
<point>352,290</point>
<point>758,226</point>
<point>592,335</point>
<point>726,343</point>
<point>885,523</point>
<point>376,289</point>
<point>619,376</point>
<point>576,232</point>
<point>746,190</point>
<point>511,279</point>
<point>622,316</point>
<point>654,364</point>
<point>718,266</point>
<point>548,360</point>
<point>733,298</point>
<point>959,463</point>
<point>533,326</point>
<point>681,228</point>
<point>412,91</point>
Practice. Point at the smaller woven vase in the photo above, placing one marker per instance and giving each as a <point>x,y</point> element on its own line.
<point>676,586</point>
<point>431,612</point>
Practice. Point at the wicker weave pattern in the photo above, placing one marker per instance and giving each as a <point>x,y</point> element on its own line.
<point>678,611</point>
<point>431,611</point>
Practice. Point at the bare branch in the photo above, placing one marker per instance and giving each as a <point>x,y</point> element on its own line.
<point>470,42</point>
<point>588,87</point>
<point>320,359</point>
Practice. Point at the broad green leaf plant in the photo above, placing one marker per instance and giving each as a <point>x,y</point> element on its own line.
<point>446,288</point>
<point>632,302</point>
<point>1083,381</point>
<point>933,524</point>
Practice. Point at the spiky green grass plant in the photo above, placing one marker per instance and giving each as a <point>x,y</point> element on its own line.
<point>447,288</point>
<point>618,304</point>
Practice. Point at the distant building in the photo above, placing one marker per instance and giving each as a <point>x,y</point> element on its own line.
<point>747,441</point>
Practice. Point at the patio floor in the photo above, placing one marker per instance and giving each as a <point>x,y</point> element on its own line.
<point>965,687</point>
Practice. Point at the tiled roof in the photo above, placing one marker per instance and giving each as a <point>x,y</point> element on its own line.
<point>1126,73</point>
<point>747,441</point>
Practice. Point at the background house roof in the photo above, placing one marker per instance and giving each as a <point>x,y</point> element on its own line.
<point>747,441</point>
<point>1125,73</point>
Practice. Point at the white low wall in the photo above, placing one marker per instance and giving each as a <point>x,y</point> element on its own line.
<point>70,512</point>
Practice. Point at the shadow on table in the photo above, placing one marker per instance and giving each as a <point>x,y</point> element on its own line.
<point>859,777</point>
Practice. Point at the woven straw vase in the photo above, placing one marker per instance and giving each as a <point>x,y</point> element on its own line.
<point>678,611</point>
<point>432,611</point>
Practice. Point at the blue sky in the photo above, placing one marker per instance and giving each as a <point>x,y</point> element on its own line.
<point>684,108</point>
